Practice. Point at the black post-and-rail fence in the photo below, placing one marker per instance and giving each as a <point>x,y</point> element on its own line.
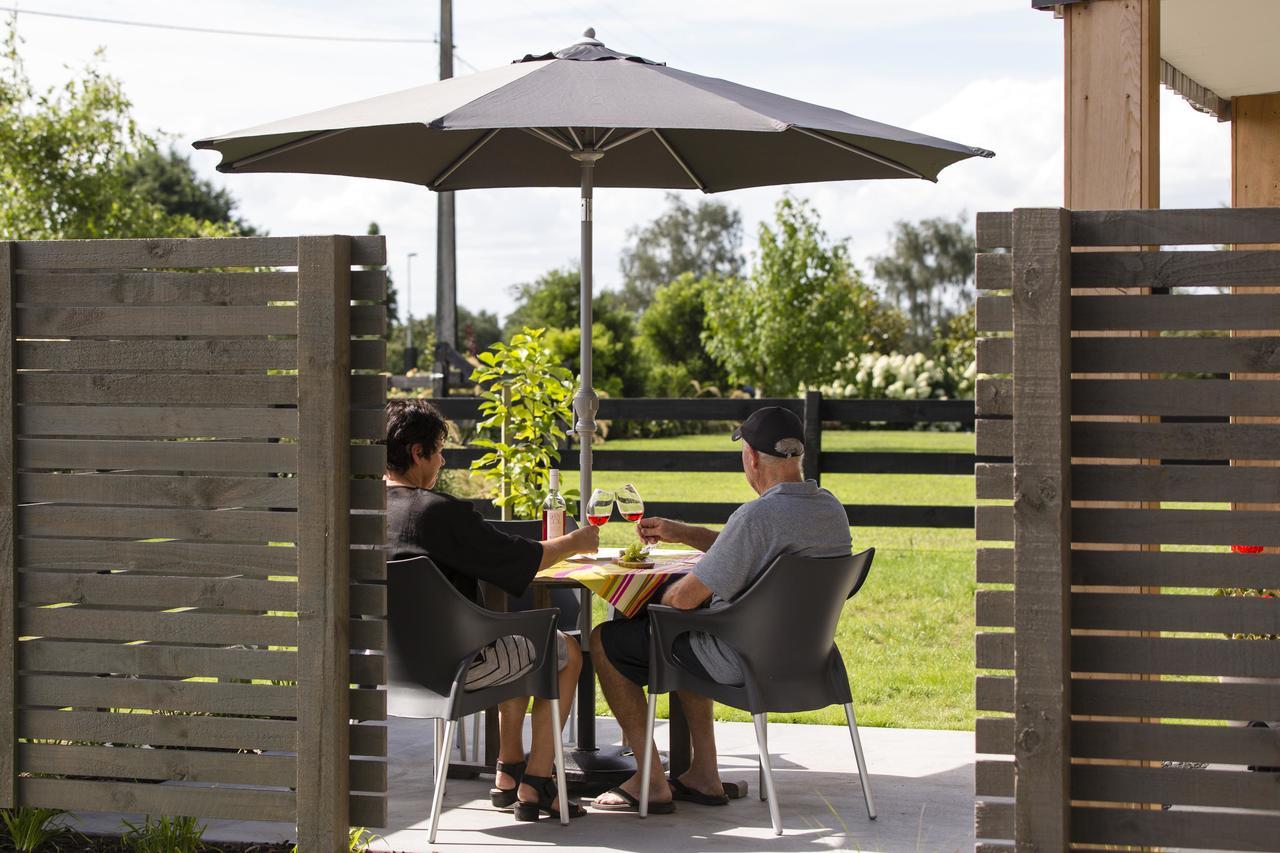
<point>813,409</point>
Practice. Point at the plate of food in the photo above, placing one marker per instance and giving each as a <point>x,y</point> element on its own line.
<point>635,556</point>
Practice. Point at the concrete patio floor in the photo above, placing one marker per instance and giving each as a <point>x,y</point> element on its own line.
<point>922,782</point>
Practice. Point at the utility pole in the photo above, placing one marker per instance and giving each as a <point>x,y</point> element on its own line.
<point>446,244</point>
<point>410,351</point>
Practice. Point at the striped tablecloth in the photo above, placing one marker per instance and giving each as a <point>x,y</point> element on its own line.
<point>626,590</point>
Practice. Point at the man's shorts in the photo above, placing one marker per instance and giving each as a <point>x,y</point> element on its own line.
<point>626,644</point>
<point>509,658</point>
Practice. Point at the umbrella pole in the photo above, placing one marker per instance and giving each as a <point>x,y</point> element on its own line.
<point>585,405</point>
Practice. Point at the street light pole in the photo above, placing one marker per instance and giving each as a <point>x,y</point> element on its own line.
<point>410,351</point>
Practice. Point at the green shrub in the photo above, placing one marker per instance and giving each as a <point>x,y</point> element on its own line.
<point>165,835</point>
<point>31,830</point>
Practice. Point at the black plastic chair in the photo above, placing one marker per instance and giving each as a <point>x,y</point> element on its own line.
<point>433,634</point>
<point>783,628</point>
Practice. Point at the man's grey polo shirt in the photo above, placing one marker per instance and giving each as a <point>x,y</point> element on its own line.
<point>790,518</point>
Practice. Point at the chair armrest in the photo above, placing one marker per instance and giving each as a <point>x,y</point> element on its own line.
<point>668,623</point>
<point>538,626</point>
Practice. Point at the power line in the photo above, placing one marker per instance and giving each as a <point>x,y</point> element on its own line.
<point>295,36</point>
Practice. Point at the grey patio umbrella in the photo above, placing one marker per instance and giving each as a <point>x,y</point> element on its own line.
<point>587,116</point>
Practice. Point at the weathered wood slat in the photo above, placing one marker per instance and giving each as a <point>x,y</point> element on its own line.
<point>995,565</point>
<point>993,398</point>
<point>368,564</point>
<point>127,589</point>
<point>171,558</point>
<point>994,481</point>
<point>1172,355</point>
<point>368,740</point>
<point>208,354</point>
<point>165,730</point>
<point>994,651</point>
<point>157,288</point>
<point>1188,397</point>
<point>994,230</point>
<point>227,768</point>
<point>368,669</point>
<point>110,522</point>
<point>80,623</point>
<point>993,523</point>
<point>142,798</point>
<point>1115,313</point>
<point>222,457</point>
<point>62,691</point>
<point>156,660</point>
<point>994,438</point>
<point>1142,612</point>
<point>1176,269</point>
<point>1177,441</point>
<point>993,820</point>
<point>994,693</point>
<point>1152,568</point>
<point>1168,785</point>
<point>158,389</point>
<point>8,459</point>
<point>1173,655</point>
<point>1175,483</point>
<point>238,321</point>
<point>1188,830</point>
<point>366,810</point>
<point>1174,227</point>
<point>178,253</point>
<point>995,355</point>
<point>1042,448</point>
<point>325,535</point>
<point>368,634</point>
<point>158,490</point>
<point>368,775</point>
<point>1149,526</point>
<point>161,422</point>
<point>1183,699</point>
<point>368,599</point>
<point>1155,742</point>
<point>993,271</point>
<point>994,735</point>
<point>366,705</point>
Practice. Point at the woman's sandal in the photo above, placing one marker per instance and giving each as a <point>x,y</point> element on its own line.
<point>505,798</point>
<point>547,792</point>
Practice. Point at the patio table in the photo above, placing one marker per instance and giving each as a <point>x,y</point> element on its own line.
<point>625,590</point>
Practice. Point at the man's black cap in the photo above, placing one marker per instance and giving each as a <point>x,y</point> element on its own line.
<point>768,426</point>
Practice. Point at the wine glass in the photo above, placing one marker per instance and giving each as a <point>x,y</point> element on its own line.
<point>630,505</point>
<point>600,507</point>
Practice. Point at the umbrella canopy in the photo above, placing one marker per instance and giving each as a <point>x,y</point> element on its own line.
<point>587,116</point>
<point>657,126</point>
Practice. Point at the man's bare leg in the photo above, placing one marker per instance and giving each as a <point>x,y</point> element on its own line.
<point>703,773</point>
<point>629,706</point>
<point>542,750</point>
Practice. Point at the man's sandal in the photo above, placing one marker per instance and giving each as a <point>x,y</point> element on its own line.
<point>505,798</point>
<point>631,804</point>
<point>547,792</point>
<point>681,791</point>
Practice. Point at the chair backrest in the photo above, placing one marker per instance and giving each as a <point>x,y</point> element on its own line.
<point>793,610</point>
<point>431,629</point>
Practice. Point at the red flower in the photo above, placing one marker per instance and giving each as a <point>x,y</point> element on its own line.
<point>1246,549</point>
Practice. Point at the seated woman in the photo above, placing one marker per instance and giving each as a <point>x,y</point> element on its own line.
<point>468,549</point>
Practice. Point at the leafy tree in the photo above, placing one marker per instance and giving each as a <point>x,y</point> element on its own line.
<point>548,302</point>
<point>802,311</point>
<point>480,329</point>
<point>702,240</point>
<point>670,340</point>
<point>168,179</point>
<point>393,300</point>
<point>67,157</point>
<point>927,273</point>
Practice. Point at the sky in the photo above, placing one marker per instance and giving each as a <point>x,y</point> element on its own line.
<point>982,72</point>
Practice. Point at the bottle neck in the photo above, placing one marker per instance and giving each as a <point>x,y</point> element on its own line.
<point>554,480</point>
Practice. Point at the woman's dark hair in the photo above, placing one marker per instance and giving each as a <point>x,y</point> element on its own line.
<point>409,422</point>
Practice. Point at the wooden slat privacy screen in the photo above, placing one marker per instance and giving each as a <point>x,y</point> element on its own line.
<point>1124,669</point>
<point>191,529</point>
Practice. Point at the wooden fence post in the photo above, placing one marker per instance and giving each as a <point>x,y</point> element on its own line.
<point>8,568</point>
<point>1042,527</point>
<point>324,540</point>
<point>813,435</point>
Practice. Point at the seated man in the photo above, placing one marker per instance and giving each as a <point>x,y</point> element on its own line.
<point>468,549</point>
<point>791,516</point>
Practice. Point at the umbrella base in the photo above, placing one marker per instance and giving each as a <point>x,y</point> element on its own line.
<point>592,772</point>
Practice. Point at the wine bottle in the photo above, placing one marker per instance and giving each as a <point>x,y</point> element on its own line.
<point>553,508</point>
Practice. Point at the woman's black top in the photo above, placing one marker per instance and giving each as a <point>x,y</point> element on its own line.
<point>466,547</point>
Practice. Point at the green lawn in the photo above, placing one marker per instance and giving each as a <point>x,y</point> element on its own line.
<point>907,637</point>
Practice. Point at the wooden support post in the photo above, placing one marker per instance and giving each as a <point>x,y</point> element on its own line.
<point>324,540</point>
<point>8,565</point>
<point>1042,532</point>
<point>813,436</point>
<point>1255,182</point>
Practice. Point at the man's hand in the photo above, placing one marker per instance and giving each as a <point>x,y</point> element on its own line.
<point>586,539</point>
<point>654,530</point>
